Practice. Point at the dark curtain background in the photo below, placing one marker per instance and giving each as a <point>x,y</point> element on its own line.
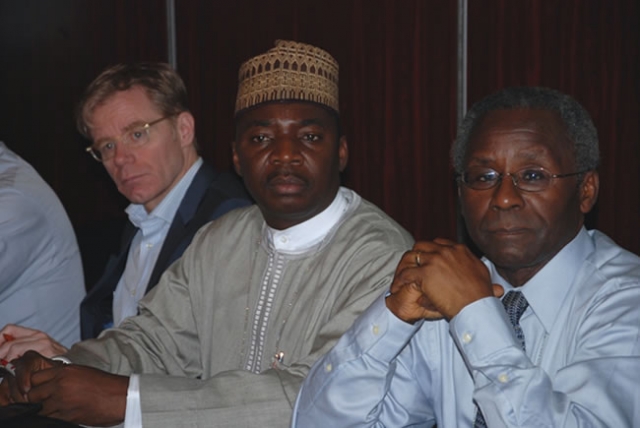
<point>398,87</point>
<point>589,49</point>
<point>49,52</point>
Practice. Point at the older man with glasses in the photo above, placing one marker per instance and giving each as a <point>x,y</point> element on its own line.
<point>142,131</point>
<point>544,331</point>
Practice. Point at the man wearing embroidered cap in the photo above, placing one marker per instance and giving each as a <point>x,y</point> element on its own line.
<point>229,333</point>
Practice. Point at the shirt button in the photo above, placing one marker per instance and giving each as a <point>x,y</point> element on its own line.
<point>328,368</point>
<point>149,245</point>
<point>376,330</point>
<point>283,239</point>
<point>503,378</point>
<point>467,338</point>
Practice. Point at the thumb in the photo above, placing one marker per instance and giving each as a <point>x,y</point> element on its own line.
<point>498,291</point>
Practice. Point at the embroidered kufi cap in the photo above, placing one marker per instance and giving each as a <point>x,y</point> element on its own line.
<point>291,71</point>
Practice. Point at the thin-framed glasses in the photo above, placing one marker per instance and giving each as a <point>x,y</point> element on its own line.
<point>526,179</point>
<point>137,136</point>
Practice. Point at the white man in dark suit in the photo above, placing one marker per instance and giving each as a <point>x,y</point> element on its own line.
<point>142,131</point>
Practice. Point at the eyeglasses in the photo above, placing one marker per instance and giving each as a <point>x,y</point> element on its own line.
<point>134,138</point>
<point>527,179</point>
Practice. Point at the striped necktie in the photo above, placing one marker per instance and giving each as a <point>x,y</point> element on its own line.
<point>515,304</point>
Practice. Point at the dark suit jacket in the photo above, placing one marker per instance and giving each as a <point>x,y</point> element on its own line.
<point>210,195</point>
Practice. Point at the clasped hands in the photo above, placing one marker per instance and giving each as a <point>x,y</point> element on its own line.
<point>436,279</point>
<point>70,392</point>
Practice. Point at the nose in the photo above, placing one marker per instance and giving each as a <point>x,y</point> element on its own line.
<point>506,194</point>
<point>285,149</point>
<point>122,154</point>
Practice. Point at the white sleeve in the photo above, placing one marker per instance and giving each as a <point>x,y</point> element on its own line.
<point>133,412</point>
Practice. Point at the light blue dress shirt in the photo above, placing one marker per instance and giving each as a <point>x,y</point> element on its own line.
<point>41,280</point>
<point>581,367</point>
<point>145,247</point>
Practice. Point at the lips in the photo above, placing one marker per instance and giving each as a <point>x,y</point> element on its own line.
<point>508,231</point>
<point>131,179</point>
<point>284,182</point>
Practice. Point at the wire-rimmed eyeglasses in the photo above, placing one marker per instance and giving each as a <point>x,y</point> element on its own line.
<point>137,136</point>
<point>526,179</point>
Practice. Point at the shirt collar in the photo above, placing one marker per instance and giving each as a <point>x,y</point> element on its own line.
<point>547,290</point>
<point>167,208</point>
<point>310,232</point>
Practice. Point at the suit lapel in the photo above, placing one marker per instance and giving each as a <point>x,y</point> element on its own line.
<point>96,307</point>
<point>182,223</point>
<point>115,267</point>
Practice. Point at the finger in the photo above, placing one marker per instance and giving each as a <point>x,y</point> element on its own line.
<point>5,350</point>
<point>408,259</point>
<point>5,336</point>
<point>15,395</point>
<point>11,334</point>
<point>410,275</point>
<point>427,304</point>
<point>411,305</point>
<point>41,344</point>
<point>12,331</point>
<point>413,258</point>
<point>403,277</point>
<point>432,246</point>
<point>28,364</point>
<point>14,349</point>
<point>418,260</point>
<point>43,393</point>
<point>44,376</point>
<point>445,242</point>
<point>403,302</point>
<point>498,290</point>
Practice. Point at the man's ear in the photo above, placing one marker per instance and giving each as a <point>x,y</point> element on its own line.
<point>459,191</point>
<point>236,161</point>
<point>589,188</point>
<point>185,124</point>
<point>343,153</point>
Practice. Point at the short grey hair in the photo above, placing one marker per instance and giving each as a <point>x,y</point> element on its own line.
<point>580,127</point>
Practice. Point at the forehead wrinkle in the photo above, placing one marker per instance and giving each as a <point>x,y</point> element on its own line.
<point>533,154</point>
<point>254,123</point>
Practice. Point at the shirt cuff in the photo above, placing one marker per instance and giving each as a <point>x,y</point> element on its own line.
<point>133,412</point>
<point>381,334</point>
<point>61,358</point>
<point>482,329</point>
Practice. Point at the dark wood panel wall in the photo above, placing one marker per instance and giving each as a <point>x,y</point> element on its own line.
<point>398,86</point>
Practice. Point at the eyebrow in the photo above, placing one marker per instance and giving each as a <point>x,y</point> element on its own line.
<point>313,121</point>
<point>255,123</point>
<point>522,155</point>
<point>263,123</point>
<point>124,130</point>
